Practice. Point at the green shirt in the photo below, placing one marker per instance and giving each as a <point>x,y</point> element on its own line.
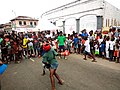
<point>50,56</point>
<point>61,40</point>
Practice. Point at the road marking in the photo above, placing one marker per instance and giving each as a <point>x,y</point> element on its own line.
<point>32,60</point>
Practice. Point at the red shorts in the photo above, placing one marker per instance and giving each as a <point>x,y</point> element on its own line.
<point>116,53</point>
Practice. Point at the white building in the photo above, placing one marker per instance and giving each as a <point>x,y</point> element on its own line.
<point>84,14</point>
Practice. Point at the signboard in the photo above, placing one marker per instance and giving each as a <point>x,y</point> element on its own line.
<point>25,30</point>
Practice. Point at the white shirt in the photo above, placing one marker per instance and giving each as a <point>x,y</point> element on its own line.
<point>100,40</point>
<point>87,46</point>
<point>107,44</point>
<point>48,35</point>
<point>112,43</point>
<point>30,43</point>
<point>96,48</point>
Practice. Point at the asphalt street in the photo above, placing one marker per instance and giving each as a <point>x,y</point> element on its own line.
<point>77,73</point>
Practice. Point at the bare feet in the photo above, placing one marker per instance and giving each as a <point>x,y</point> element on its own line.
<point>94,60</point>
<point>61,82</point>
<point>84,58</point>
<point>43,73</point>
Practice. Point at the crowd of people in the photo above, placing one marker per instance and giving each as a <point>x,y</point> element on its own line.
<point>17,46</point>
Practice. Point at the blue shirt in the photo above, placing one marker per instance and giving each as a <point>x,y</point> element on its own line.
<point>75,40</point>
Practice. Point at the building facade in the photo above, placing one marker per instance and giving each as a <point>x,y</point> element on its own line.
<point>24,24</point>
<point>6,27</point>
<point>84,14</point>
<point>20,24</point>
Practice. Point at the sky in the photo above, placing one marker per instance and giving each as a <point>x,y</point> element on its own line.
<point>10,9</point>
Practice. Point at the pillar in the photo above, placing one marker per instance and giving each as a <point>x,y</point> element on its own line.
<point>63,26</point>
<point>99,22</point>
<point>77,25</point>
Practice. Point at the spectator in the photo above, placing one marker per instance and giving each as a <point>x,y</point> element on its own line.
<point>112,47</point>
<point>87,50</point>
<point>102,49</point>
<point>75,43</point>
<point>61,42</point>
<point>107,45</point>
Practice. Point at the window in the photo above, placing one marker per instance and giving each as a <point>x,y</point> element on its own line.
<point>20,22</point>
<point>31,24</point>
<point>24,22</point>
<point>35,23</point>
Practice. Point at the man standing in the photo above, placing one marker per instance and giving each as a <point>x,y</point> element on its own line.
<point>61,43</point>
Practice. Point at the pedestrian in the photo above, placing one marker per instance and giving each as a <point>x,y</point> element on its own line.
<point>68,42</point>
<point>96,46</point>
<point>116,52</point>
<point>25,46</point>
<point>49,58</point>
<point>112,48</point>
<point>102,49</point>
<point>30,46</point>
<point>107,46</point>
<point>87,50</point>
<point>61,42</point>
<point>75,43</point>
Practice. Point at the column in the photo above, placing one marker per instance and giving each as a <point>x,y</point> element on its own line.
<point>63,26</point>
<point>77,25</point>
<point>99,22</point>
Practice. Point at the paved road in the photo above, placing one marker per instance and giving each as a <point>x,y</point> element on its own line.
<point>77,74</point>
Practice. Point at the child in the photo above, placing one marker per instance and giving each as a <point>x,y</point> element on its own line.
<point>49,58</point>
<point>30,46</point>
<point>96,49</point>
<point>102,49</point>
<point>69,41</point>
<point>16,49</point>
<point>76,41</point>
<point>116,52</point>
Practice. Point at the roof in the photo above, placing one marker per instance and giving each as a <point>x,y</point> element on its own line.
<point>6,24</point>
<point>24,18</point>
<point>1,25</point>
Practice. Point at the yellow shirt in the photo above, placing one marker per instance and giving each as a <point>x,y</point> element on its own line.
<point>25,43</point>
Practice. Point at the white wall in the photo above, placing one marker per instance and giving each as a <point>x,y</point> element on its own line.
<point>85,7</point>
<point>70,25</point>
<point>88,23</point>
<point>111,12</point>
<point>78,10</point>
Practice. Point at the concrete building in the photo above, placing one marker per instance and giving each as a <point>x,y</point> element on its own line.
<point>20,24</point>
<point>6,27</point>
<point>84,14</point>
<point>24,24</point>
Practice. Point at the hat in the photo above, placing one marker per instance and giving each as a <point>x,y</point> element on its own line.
<point>46,47</point>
